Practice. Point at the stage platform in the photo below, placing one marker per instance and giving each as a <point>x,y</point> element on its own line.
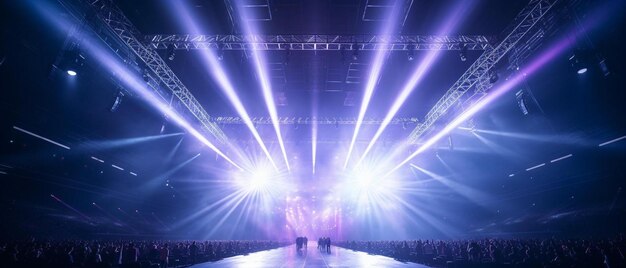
<point>287,257</point>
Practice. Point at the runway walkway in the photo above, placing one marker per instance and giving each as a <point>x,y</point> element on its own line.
<point>287,257</point>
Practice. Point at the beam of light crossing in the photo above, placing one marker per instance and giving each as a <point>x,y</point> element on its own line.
<point>214,68</point>
<point>128,78</point>
<point>416,77</point>
<point>109,144</point>
<point>313,146</point>
<point>497,92</point>
<point>70,207</point>
<point>259,63</point>
<point>374,75</point>
<point>594,19</point>
<point>41,137</point>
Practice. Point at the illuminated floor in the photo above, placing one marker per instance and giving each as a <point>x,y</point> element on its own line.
<point>287,257</point>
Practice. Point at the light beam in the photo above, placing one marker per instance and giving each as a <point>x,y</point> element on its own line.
<point>417,76</point>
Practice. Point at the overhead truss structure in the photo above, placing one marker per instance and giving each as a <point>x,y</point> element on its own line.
<point>478,73</point>
<point>114,19</point>
<point>229,120</point>
<point>318,42</point>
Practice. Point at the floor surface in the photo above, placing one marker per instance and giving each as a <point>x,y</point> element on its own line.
<point>287,257</point>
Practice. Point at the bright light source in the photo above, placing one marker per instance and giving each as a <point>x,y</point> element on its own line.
<point>71,72</point>
<point>537,166</point>
<point>560,158</point>
<point>612,141</point>
<point>117,167</point>
<point>133,173</point>
<point>582,70</point>
<point>97,159</point>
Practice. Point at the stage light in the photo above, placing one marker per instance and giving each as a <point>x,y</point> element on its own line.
<point>170,52</point>
<point>214,68</point>
<point>532,67</point>
<point>561,158</point>
<point>410,54</point>
<point>578,60</point>
<point>355,52</point>
<point>612,141</point>
<point>72,62</point>
<point>260,65</point>
<point>535,167</point>
<point>373,78</point>
<point>463,52</point>
<point>220,52</point>
<point>604,67</point>
<point>118,100</point>
<point>416,77</point>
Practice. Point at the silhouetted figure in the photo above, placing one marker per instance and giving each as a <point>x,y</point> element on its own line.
<point>327,243</point>
<point>320,244</point>
<point>306,242</point>
<point>298,243</point>
<point>193,252</point>
<point>130,256</point>
<point>164,255</point>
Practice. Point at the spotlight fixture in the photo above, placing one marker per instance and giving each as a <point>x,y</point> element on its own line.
<point>355,52</point>
<point>578,62</point>
<point>170,52</point>
<point>73,62</point>
<point>521,101</point>
<point>410,54</point>
<point>463,52</point>
<point>220,52</point>
<point>604,68</point>
<point>118,100</point>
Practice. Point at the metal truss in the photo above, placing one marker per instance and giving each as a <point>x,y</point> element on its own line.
<point>230,120</point>
<point>318,42</point>
<point>114,19</point>
<point>477,74</point>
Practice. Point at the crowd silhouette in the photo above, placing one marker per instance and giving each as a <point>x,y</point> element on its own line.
<point>301,242</point>
<point>323,244</point>
<point>121,253</point>
<point>607,253</point>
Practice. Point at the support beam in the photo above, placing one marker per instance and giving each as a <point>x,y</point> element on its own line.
<point>115,20</point>
<point>231,120</point>
<point>477,74</point>
<point>317,42</point>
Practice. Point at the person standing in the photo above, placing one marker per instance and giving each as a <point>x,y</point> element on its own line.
<point>193,252</point>
<point>164,255</point>
<point>327,244</point>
